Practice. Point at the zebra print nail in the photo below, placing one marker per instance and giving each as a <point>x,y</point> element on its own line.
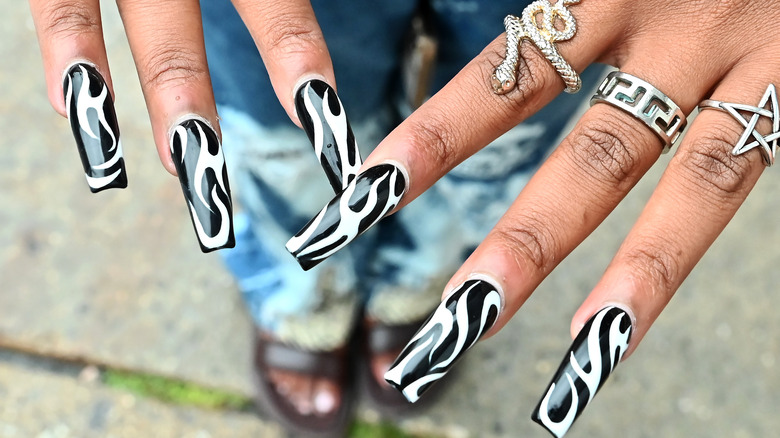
<point>593,355</point>
<point>90,110</point>
<point>325,122</point>
<point>457,324</point>
<point>366,200</point>
<point>199,161</point>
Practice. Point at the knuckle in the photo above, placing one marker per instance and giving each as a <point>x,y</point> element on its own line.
<point>721,17</point>
<point>653,262</point>
<point>169,64</point>
<point>602,149</point>
<point>724,11</point>
<point>436,142</point>
<point>714,167</point>
<point>69,18</point>
<point>533,75</point>
<point>289,35</point>
<point>528,243</point>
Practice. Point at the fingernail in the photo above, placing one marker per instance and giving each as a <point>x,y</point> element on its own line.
<point>197,155</point>
<point>597,348</point>
<point>92,119</point>
<point>457,324</point>
<point>325,121</point>
<point>366,200</point>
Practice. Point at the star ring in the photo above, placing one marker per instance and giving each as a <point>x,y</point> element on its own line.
<point>766,143</point>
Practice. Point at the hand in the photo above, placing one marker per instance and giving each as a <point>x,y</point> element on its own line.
<point>691,51</point>
<point>166,40</point>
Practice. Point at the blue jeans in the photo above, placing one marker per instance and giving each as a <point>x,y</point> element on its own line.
<point>394,273</point>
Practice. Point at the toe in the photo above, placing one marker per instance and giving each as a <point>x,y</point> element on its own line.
<point>380,363</point>
<point>325,398</point>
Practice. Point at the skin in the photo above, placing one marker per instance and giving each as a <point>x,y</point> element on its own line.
<point>166,39</point>
<point>691,50</point>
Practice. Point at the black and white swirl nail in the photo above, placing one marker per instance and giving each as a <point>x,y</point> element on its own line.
<point>200,163</point>
<point>90,110</point>
<point>593,355</point>
<point>325,121</point>
<point>456,325</point>
<point>367,199</point>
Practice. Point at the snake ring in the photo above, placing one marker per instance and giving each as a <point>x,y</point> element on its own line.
<point>544,35</point>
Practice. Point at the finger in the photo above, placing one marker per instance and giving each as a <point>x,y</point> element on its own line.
<point>571,194</point>
<point>589,173</point>
<point>467,114</point>
<point>459,120</point>
<point>700,192</point>
<point>68,31</point>
<point>79,85</point>
<point>698,195</point>
<point>166,39</point>
<point>291,45</point>
<point>295,54</point>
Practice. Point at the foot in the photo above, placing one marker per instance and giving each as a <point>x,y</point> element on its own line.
<point>304,390</point>
<point>308,394</point>
<point>380,363</point>
<point>383,343</point>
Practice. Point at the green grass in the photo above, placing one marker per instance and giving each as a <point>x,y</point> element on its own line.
<point>175,391</point>
<point>190,394</point>
<point>362,429</point>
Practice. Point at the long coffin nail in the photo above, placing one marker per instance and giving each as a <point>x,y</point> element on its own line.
<point>366,200</point>
<point>325,121</point>
<point>592,357</point>
<point>92,119</point>
<point>457,324</point>
<point>197,155</point>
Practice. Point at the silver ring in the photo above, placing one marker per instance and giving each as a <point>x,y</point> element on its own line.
<point>557,24</point>
<point>767,144</point>
<point>645,102</point>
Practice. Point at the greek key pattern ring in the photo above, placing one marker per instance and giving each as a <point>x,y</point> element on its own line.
<point>645,102</point>
<point>543,34</point>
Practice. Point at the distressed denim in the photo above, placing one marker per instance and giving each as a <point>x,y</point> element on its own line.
<point>395,272</point>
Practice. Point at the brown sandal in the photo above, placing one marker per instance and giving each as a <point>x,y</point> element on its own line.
<point>381,339</point>
<point>274,355</point>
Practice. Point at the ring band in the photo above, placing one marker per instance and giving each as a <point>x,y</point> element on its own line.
<point>645,102</point>
<point>557,24</point>
<point>767,144</point>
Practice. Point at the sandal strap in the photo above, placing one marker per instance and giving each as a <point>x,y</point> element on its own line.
<point>325,364</point>
<point>390,338</point>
